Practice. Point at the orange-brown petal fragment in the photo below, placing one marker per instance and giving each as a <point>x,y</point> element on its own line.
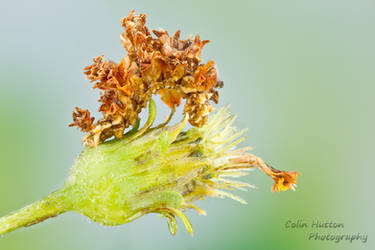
<point>284,180</point>
<point>171,97</point>
<point>205,77</point>
<point>195,51</point>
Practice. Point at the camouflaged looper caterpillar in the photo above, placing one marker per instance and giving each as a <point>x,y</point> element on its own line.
<point>154,169</point>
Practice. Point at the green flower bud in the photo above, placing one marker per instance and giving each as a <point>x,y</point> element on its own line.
<point>161,170</point>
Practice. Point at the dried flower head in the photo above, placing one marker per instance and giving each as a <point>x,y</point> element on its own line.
<point>160,169</point>
<point>164,65</point>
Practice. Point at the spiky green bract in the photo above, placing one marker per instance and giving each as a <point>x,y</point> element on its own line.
<point>161,171</point>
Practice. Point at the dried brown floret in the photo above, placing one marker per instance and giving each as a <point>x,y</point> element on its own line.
<point>82,119</point>
<point>105,129</point>
<point>101,70</point>
<point>198,108</point>
<point>163,65</point>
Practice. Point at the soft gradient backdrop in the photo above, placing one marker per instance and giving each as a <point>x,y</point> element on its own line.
<point>300,74</point>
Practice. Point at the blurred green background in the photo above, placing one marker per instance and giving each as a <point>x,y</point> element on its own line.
<point>300,74</point>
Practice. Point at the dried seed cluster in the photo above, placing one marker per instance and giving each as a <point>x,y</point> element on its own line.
<point>163,65</point>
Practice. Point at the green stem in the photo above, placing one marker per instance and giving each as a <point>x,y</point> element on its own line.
<point>51,206</point>
<point>149,122</point>
<point>166,121</point>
